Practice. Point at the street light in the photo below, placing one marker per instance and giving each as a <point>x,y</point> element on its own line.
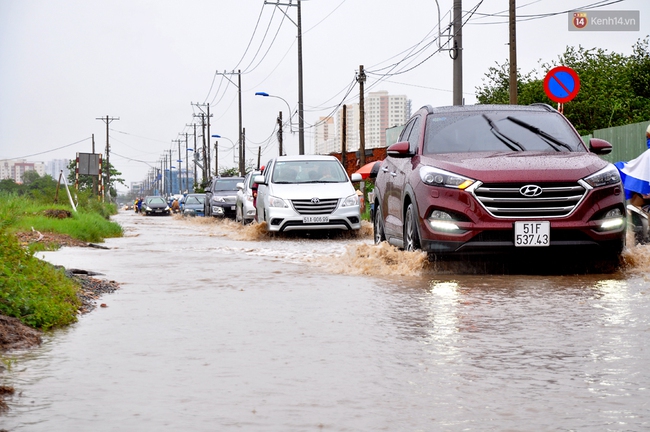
<point>265,94</point>
<point>233,145</point>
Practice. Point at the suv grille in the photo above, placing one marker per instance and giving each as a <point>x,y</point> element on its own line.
<point>505,200</point>
<point>307,207</point>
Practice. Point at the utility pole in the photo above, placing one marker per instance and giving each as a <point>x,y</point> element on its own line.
<point>216,157</point>
<point>361,79</point>
<point>195,153</point>
<point>180,164</point>
<point>187,169</point>
<point>241,136</point>
<point>259,156</point>
<point>512,27</point>
<point>108,121</point>
<point>298,24</point>
<point>94,177</point>
<point>344,138</point>
<point>242,142</point>
<point>301,121</point>
<point>242,161</point>
<point>206,147</point>
<point>280,132</point>
<point>458,53</point>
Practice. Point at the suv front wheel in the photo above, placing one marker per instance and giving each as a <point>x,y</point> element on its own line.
<point>378,226</point>
<point>411,236</point>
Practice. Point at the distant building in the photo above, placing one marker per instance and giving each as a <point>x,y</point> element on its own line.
<point>325,141</point>
<point>382,111</point>
<point>55,166</point>
<point>15,168</point>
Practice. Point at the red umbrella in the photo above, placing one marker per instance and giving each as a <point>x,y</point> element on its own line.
<point>365,170</point>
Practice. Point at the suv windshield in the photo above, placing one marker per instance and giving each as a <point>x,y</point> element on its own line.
<point>505,131</point>
<point>226,184</point>
<point>314,171</point>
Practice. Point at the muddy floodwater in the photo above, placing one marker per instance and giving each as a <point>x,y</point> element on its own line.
<point>218,327</point>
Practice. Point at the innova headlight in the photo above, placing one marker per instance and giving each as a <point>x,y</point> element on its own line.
<point>350,201</point>
<point>437,177</point>
<point>277,202</point>
<point>606,176</point>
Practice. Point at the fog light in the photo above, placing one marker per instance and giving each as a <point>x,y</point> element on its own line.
<point>217,210</point>
<point>442,221</point>
<point>613,220</point>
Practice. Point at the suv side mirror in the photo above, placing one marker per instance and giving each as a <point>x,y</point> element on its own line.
<point>399,150</point>
<point>259,179</point>
<point>356,177</point>
<point>599,146</point>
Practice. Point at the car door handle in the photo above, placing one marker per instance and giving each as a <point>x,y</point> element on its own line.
<point>394,174</point>
<point>384,169</point>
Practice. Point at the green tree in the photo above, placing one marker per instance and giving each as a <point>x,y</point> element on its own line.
<point>614,89</point>
<point>9,186</point>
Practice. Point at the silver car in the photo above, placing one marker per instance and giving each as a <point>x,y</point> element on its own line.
<point>307,192</point>
<point>245,203</point>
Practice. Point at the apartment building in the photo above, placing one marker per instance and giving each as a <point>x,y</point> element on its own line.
<point>15,168</point>
<point>382,111</point>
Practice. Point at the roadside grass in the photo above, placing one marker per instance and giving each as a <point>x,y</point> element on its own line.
<point>90,225</point>
<point>32,290</point>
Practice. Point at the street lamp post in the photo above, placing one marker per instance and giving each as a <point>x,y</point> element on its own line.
<point>280,124</point>
<point>231,142</point>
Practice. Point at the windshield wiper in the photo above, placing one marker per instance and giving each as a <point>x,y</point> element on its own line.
<point>537,131</point>
<point>512,144</point>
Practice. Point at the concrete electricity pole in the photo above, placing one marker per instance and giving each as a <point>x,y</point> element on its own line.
<point>280,132</point>
<point>107,120</point>
<point>458,53</point>
<point>298,24</point>
<point>361,79</point>
<point>512,27</point>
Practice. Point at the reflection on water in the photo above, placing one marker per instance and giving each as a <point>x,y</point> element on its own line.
<point>290,333</point>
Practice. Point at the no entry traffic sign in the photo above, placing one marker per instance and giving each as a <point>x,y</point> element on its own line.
<point>561,84</point>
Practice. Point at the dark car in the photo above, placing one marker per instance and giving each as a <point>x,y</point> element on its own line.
<point>221,196</point>
<point>498,178</point>
<point>193,205</point>
<point>155,205</point>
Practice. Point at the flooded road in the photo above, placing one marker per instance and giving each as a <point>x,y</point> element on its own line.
<point>220,328</point>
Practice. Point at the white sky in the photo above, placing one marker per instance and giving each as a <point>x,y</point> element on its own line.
<point>64,63</point>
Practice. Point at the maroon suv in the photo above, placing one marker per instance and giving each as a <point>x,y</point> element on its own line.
<point>498,178</point>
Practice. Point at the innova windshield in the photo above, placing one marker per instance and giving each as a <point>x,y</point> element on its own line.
<point>502,131</point>
<point>309,171</point>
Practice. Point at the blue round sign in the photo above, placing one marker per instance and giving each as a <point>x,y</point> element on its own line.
<point>561,84</point>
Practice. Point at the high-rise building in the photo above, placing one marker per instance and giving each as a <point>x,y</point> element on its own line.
<point>382,111</point>
<point>55,166</point>
<point>325,140</point>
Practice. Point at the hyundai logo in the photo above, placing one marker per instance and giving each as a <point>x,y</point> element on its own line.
<point>530,191</point>
<point>315,200</point>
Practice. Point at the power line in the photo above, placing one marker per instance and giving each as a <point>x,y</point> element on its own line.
<point>55,149</point>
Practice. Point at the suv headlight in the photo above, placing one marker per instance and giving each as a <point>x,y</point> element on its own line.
<point>277,202</point>
<point>350,201</point>
<point>437,177</point>
<point>606,176</point>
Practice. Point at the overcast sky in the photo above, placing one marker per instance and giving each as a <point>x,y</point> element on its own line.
<point>65,63</point>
